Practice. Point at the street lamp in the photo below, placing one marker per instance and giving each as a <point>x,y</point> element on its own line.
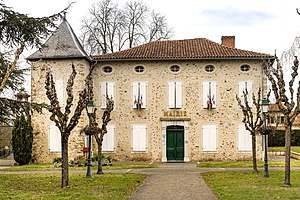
<point>265,132</point>
<point>90,109</point>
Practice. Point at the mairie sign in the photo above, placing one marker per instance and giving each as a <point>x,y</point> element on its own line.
<point>175,113</point>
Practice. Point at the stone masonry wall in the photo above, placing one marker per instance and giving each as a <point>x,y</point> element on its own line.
<point>61,69</point>
<point>227,116</point>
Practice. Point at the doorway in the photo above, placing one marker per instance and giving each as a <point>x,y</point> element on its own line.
<point>175,143</point>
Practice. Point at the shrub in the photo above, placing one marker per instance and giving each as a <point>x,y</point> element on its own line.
<point>22,139</point>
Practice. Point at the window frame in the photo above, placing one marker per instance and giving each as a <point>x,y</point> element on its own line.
<point>175,94</point>
<point>209,71</point>
<point>210,130</point>
<point>139,93</point>
<point>136,144</point>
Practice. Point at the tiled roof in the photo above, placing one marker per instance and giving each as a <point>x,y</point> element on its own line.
<point>199,48</point>
<point>63,43</point>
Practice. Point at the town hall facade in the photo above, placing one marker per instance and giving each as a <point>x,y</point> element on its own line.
<point>175,100</point>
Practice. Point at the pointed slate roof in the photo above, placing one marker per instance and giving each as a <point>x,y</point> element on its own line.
<point>199,48</point>
<point>63,43</point>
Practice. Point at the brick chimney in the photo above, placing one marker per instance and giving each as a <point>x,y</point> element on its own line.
<point>228,41</point>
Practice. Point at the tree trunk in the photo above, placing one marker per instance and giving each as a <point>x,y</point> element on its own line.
<point>254,153</point>
<point>65,161</point>
<point>287,177</point>
<point>99,158</point>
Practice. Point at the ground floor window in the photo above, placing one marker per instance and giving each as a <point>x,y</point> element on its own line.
<point>209,138</point>
<point>54,139</point>
<point>108,143</point>
<point>244,139</point>
<point>139,137</point>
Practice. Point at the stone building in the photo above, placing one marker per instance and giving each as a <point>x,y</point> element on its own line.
<point>174,100</point>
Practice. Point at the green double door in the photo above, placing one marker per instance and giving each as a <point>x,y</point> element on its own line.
<point>175,143</point>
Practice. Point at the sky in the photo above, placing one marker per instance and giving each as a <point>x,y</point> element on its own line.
<point>258,25</point>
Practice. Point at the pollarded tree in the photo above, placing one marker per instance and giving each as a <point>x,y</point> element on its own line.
<point>62,120</point>
<point>100,132</point>
<point>287,105</point>
<point>252,119</point>
<point>93,127</point>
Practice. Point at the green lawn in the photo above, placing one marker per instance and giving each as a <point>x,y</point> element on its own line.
<point>282,149</point>
<point>246,164</point>
<point>47,186</point>
<point>47,167</point>
<point>246,185</point>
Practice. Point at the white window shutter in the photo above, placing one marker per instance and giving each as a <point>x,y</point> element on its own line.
<point>171,86</point>
<point>59,86</point>
<point>111,90</point>
<point>214,94</point>
<point>103,94</point>
<point>139,138</point>
<point>244,139</point>
<point>54,139</point>
<point>86,141</point>
<point>209,137</point>
<point>205,93</point>
<point>249,88</point>
<point>143,91</point>
<point>243,85</point>
<point>179,95</point>
<point>108,143</point>
<point>135,94</point>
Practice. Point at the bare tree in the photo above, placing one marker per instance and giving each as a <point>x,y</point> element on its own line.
<point>62,120</point>
<point>288,106</point>
<point>135,21</point>
<point>108,28</point>
<point>99,29</point>
<point>159,27</point>
<point>252,119</point>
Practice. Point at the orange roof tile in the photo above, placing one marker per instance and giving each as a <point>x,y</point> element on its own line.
<point>199,48</point>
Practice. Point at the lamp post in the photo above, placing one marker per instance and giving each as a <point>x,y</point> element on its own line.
<point>90,109</point>
<point>265,103</point>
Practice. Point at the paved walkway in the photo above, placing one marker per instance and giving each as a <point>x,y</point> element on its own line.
<point>175,181</point>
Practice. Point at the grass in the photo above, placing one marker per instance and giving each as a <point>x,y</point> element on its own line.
<point>47,186</point>
<point>47,167</point>
<point>246,164</point>
<point>282,149</point>
<point>246,185</point>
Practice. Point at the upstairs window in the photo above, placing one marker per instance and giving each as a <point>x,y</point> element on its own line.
<point>139,95</point>
<point>175,94</point>
<point>60,92</point>
<point>174,68</point>
<point>245,68</point>
<point>209,68</point>
<point>107,69</point>
<point>209,96</point>
<point>107,89</point>
<point>243,86</point>
<point>139,69</point>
